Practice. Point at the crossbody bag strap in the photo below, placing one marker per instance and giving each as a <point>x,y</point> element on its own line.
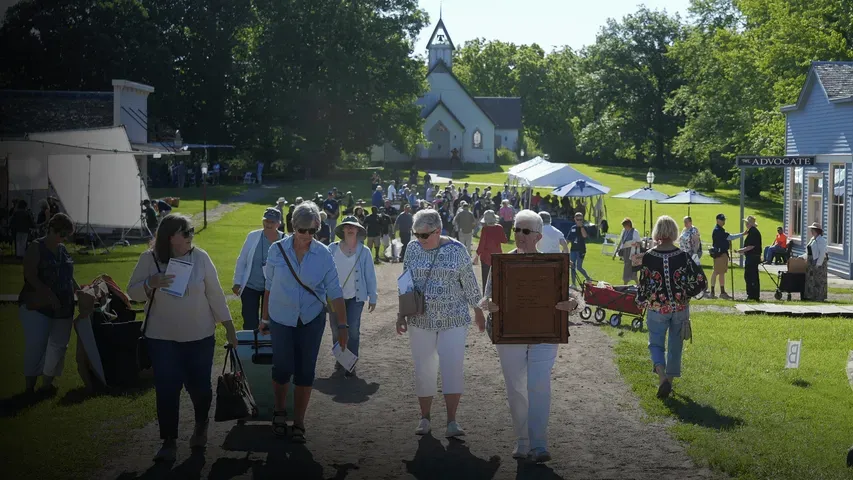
<point>353,267</point>
<point>150,298</point>
<point>297,276</point>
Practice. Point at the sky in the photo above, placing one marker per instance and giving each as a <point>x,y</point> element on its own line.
<point>549,23</point>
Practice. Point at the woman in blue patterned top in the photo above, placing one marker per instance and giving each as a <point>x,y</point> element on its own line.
<point>441,268</point>
<point>295,315</point>
<point>47,303</point>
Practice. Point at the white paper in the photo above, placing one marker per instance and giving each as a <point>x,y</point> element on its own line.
<point>792,357</point>
<point>346,358</point>
<point>405,283</point>
<point>181,270</point>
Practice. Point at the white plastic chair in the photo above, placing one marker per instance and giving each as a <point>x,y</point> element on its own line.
<point>608,247</point>
<point>248,178</point>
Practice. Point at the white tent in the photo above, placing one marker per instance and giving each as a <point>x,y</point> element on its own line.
<point>547,174</point>
<point>515,170</point>
<point>93,172</point>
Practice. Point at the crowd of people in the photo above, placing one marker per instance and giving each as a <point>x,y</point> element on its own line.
<point>312,264</point>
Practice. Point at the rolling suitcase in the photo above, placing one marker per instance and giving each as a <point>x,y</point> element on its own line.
<point>255,352</point>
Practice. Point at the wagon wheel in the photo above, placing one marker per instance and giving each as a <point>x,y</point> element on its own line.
<point>637,324</point>
<point>586,313</point>
<point>615,320</point>
<point>778,295</point>
<point>599,314</point>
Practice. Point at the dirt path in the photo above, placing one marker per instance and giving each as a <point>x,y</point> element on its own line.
<point>363,427</point>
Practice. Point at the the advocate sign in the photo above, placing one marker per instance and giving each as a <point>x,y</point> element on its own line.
<point>781,162</point>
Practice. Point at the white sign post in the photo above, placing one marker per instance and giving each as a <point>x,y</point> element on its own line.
<point>792,357</point>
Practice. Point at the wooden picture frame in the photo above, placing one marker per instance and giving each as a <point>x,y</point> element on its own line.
<point>527,288</point>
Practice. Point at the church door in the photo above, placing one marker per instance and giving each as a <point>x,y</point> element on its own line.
<point>439,138</point>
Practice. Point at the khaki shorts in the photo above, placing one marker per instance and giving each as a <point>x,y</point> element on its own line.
<point>373,242</point>
<point>721,264</point>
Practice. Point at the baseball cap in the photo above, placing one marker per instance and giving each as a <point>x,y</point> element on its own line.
<point>720,216</point>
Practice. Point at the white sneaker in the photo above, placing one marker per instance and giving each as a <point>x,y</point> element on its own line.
<point>423,427</point>
<point>454,430</point>
<point>520,450</point>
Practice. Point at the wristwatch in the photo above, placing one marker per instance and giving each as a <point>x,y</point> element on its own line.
<point>341,327</point>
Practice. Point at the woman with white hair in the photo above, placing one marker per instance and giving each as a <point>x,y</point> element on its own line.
<point>668,279</point>
<point>527,367</point>
<point>301,280</point>
<point>441,269</point>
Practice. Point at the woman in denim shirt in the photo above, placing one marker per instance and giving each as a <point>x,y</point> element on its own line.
<point>358,279</point>
<point>295,315</point>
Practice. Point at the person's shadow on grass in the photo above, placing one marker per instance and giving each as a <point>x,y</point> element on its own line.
<point>189,469</point>
<point>702,415</point>
<point>456,462</point>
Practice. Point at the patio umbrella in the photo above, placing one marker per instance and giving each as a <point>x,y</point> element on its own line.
<point>689,197</point>
<point>647,194</point>
<point>580,188</point>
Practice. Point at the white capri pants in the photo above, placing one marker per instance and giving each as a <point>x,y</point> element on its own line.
<point>45,342</point>
<point>432,349</point>
<point>527,373</point>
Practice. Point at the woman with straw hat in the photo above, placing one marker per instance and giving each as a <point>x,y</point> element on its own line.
<point>491,237</point>
<point>357,276</point>
<point>816,265</point>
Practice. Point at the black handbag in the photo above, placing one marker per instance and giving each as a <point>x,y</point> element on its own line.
<point>234,399</point>
<point>143,359</point>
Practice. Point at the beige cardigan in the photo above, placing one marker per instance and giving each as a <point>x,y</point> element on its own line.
<point>182,319</point>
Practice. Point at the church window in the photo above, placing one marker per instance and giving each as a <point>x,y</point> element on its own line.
<point>478,139</point>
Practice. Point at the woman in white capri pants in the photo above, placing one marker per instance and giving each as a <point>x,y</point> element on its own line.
<point>527,368</point>
<point>441,268</point>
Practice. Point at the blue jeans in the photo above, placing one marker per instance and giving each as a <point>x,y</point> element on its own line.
<point>177,365</point>
<point>295,349</point>
<point>354,309</point>
<point>658,324</point>
<point>577,266</point>
<point>770,251</point>
<point>252,301</point>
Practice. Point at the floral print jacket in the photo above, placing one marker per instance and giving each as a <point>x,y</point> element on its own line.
<point>668,279</point>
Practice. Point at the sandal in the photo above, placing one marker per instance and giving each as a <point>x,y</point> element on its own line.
<point>279,428</point>
<point>298,434</point>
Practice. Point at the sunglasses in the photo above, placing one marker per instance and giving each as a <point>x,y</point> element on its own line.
<point>309,231</point>
<point>525,231</point>
<point>423,236</point>
<point>188,233</point>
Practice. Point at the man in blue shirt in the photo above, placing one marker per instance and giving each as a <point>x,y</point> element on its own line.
<point>332,209</point>
<point>577,239</point>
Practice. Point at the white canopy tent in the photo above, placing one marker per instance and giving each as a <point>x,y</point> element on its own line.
<point>93,172</point>
<point>515,170</point>
<point>547,174</point>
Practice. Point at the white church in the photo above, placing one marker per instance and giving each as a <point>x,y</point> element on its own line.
<point>459,127</point>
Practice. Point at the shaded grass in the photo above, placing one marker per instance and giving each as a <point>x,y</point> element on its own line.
<point>737,406</point>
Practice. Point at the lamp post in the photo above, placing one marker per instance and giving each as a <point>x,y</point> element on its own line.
<point>650,177</point>
<point>204,189</point>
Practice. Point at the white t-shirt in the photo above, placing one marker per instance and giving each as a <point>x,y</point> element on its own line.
<point>392,192</point>
<point>345,265</point>
<point>550,242</point>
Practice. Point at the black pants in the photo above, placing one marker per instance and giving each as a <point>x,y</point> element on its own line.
<point>484,270</point>
<point>405,238</point>
<point>750,276</point>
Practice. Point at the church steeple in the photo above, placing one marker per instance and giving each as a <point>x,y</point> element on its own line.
<point>440,46</point>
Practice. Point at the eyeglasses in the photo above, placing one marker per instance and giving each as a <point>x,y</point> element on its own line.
<point>525,231</point>
<point>188,233</point>
<point>423,236</point>
<point>309,231</point>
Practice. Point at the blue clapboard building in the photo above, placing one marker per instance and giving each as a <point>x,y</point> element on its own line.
<point>821,124</point>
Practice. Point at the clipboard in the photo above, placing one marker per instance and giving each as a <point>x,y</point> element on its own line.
<point>182,270</point>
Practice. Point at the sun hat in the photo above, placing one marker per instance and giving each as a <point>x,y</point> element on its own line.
<point>816,226</point>
<point>273,214</point>
<point>281,200</point>
<point>350,220</point>
<point>750,217</point>
<point>489,217</point>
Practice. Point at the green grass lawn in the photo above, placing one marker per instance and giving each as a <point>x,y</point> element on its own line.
<point>192,198</point>
<point>740,410</point>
